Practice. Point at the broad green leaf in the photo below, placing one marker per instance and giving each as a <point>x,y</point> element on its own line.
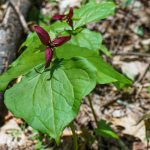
<point>93,12</point>
<point>104,129</point>
<point>32,56</point>
<point>86,38</point>
<point>50,105</point>
<point>105,72</point>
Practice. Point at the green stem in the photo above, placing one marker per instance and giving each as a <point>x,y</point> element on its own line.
<point>75,140</point>
<point>95,117</point>
<point>92,109</point>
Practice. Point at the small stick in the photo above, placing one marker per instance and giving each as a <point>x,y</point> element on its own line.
<point>128,18</point>
<point>131,53</point>
<point>144,74</point>
<point>111,102</point>
<point>21,17</point>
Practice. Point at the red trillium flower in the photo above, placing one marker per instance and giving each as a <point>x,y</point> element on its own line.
<point>45,39</point>
<point>67,17</point>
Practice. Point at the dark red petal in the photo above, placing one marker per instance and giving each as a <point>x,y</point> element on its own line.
<point>48,56</point>
<point>60,40</point>
<point>42,34</point>
<point>70,15</point>
<point>58,17</point>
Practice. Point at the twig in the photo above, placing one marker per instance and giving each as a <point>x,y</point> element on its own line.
<point>124,28</point>
<point>6,7</point>
<point>111,102</point>
<point>141,78</point>
<point>138,82</point>
<point>131,53</point>
<point>21,17</point>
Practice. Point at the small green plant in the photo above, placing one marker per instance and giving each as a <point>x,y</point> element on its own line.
<point>59,70</point>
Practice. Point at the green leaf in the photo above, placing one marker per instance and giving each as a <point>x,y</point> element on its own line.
<point>104,49</point>
<point>91,40</point>
<point>105,72</point>
<point>50,105</point>
<point>93,12</point>
<point>88,39</point>
<point>104,129</point>
<point>32,56</point>
<point>58,27</point>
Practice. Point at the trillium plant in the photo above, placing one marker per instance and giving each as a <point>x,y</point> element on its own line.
<point>60,65</point>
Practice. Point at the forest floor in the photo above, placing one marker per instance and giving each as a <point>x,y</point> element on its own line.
<point>127,36</point>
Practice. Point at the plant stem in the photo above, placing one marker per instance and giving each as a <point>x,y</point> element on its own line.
<point>95,118</point>
<point>92,109</point>
<point>75,140</point>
